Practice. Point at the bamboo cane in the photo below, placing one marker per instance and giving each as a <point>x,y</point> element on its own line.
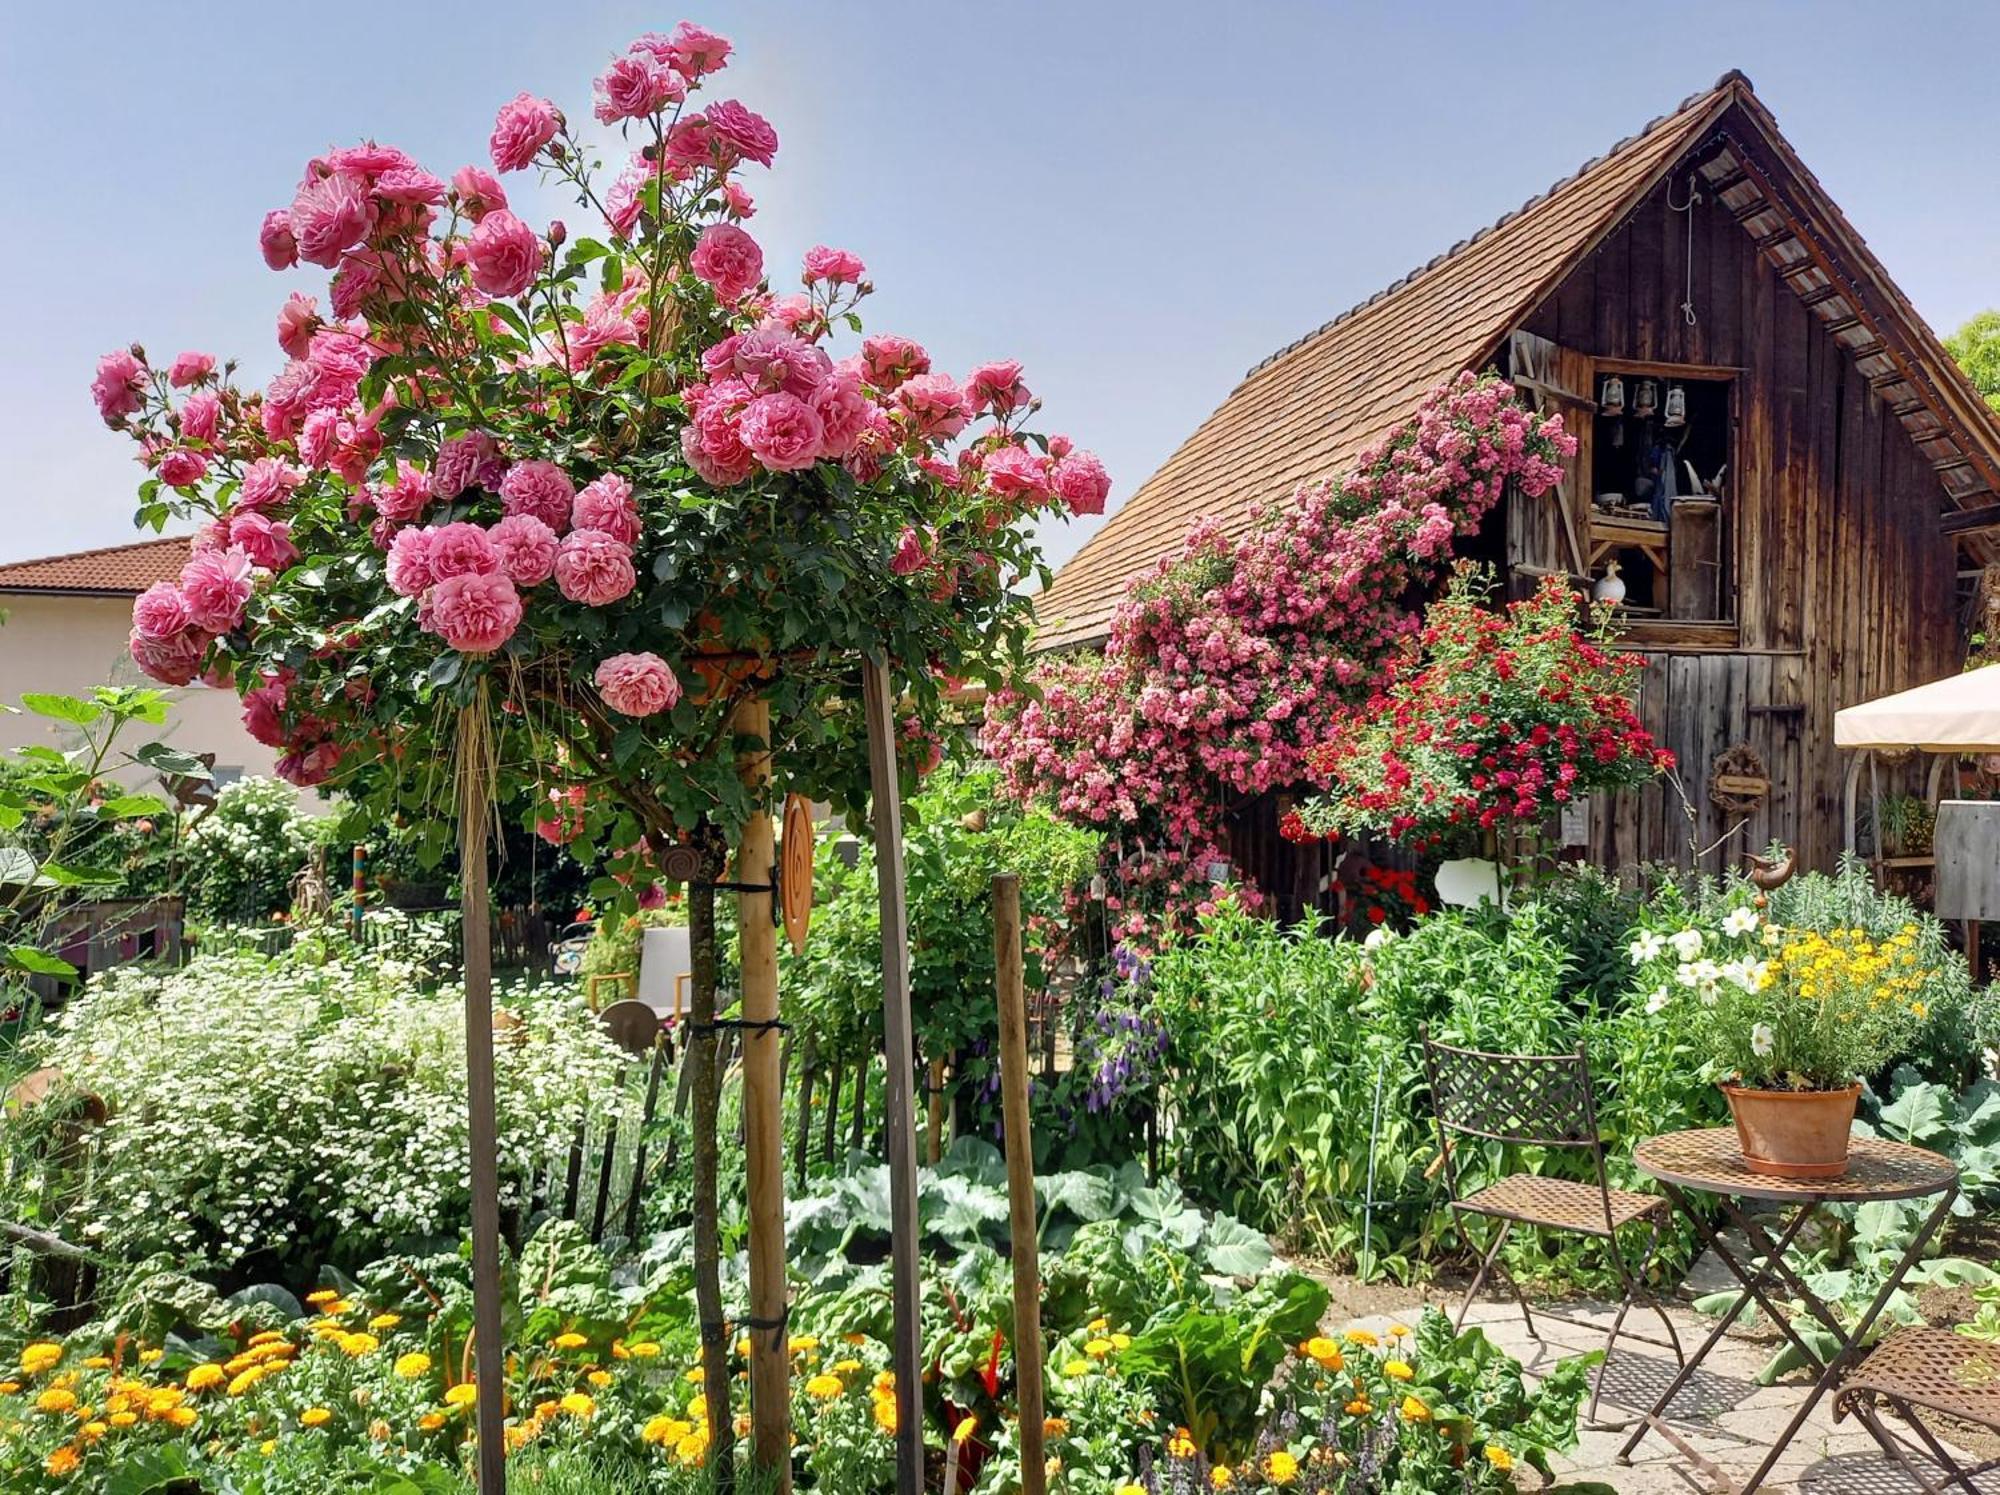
<point>1020,1177</point>
<point>475,767</point>
<point>763,1112</point>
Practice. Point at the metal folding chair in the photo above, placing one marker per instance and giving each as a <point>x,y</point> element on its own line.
<point>1938,1371</point>
<point>1541,1100</point>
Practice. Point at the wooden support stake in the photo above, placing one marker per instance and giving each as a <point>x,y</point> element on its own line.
<point>475,766</point>
<point>934,1139</point>
<point>906,1349</point>
<point>1020,1177</point>
<point>702,1067</point>
<point>763,1114</point>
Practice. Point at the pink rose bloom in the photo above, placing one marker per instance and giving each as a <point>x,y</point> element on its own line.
<point>160,612</point>
<point>463,461</point>
<point>844,412</point>
<point>743,133</point>
<point>298,320</point>
<point>319,438</point>
<point>504,254</point>
<point>636,86</point>
<point>179,467</point>
<point>369,159</point>
<point>911,554</point>
<point>174,660</point>
<point>409,186</point>
<point>539,488</point>
<point>524,125</point>
<point>479,192</point>
<point>263,714</point>
<point>694,52</point>
<point>785,313</point>
<point>593,568</point>
<point>475,612</point>
<point>768,360</point>
<point>307,766</point>
<point>329,217</point>
<point>190,368</point>
<point>934,404</point>
<point>1013,471</point>
<point>360,445</point>
<point>728,259</point>
<point>713,445</point>
<point>781,432</point>
<point>526,547</point>
<point>201,415</point>
<point>461,549</point>
<point>408,568</point>
<point>274,238</point>
<point>736,202</point>
<point>637,684</point>
<point>215,586</point>
<point>1081,482</point>
<point>267,483</point>
<point>119,385</point>
<point>996,386</point>
<point>838,266</point>
<point>889,359</point>
<point>266,541</point>
<point>607,504</point>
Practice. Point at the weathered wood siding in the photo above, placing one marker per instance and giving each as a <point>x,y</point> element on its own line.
<point>1844,584</point>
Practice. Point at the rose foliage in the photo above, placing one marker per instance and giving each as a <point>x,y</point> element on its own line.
<point>1241,656</point>
<point>1486,721</point>
<point>616,478</point>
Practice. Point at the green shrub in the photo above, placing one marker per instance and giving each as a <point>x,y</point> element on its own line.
<point>244,854</point>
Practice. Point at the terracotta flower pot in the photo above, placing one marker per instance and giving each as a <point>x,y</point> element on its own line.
<point>1794,1133</point>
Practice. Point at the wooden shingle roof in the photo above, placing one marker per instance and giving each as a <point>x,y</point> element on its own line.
<point>114,571</point>
<point>1305,413</point>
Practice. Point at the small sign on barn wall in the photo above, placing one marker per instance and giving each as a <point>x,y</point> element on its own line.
<point>1737,780</point>
<point>1576,822</point>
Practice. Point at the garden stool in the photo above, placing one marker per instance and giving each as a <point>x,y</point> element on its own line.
<point>1934,1369</point>
<point>1541,1100</point>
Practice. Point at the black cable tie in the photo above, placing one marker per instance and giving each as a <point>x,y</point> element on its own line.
<point>741,887</point>
<point>743,1025</point>
<point>777,1328</point>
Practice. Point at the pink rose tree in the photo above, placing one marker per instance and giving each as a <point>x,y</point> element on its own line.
<point>618,479</point>
<point>1239,659</point>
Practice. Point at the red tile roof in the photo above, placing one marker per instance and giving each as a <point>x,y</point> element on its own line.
<point>115,571</point>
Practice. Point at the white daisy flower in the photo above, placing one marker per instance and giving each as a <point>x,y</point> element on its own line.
<point>1687,943</point>
<point>1646,947</point>
<point>1739,921</point>
<point>1656,1002</point>
<point>1762,1040</point>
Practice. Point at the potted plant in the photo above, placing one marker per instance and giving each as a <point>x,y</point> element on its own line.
<point>1796,1028</point>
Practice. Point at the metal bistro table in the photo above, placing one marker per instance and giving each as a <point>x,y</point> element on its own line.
<point>1710,1161</point>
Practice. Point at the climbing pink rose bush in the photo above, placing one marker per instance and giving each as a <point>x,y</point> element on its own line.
<point>1232,664</point>
<point>615,475</point>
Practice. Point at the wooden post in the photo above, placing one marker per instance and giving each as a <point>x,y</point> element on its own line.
<point>763,1113</point>
<point>1020,1177</point>
<point>475,767</point>
<point>356,916</point>
<point>934,1138</point>
<point>703,1070</point>
<point>906,1349</point>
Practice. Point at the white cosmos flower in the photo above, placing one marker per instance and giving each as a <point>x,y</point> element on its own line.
<point>1762,1040</point>
<point>1743,973</point>
<point>1379,936</point>
<point>1740,921</point>
<point>1646,947</point>
<point>1656,1002</point>
<point>1687,943</point>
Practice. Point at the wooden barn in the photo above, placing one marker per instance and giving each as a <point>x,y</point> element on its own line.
<point>1795,482</point>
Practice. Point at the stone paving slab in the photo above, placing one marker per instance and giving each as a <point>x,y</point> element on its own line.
<point>1723,1412</point>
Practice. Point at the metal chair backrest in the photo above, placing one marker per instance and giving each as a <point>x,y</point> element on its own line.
<point>1533,1100</point>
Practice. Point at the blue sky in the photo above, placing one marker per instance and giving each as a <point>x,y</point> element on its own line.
<point>1137,198</point>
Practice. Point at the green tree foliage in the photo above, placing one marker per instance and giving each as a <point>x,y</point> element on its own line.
<point>1976,346</point>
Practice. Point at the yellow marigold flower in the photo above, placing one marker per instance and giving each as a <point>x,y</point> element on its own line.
<point>268,1447</point>
<point>41,1356</point>
<point>885,1414</point>
<point>643,1349</point>
<point>1098,1325</point>
<point>1180,1445</point>
<point>98,1362</point>
<point>854,1339</point>
<point>1055,1427</point>
<point>464,1394</point>
<point>1414,1410</point>
<point>576,1404</point>
<point>416,1363</point>
<point>1322,1351</point>
<point>206,1377</point>
<point>599,1378</point>
<point>692,1449</point>
<point>1361,1336</point>
<point>569,1340</point>
<point>1097,1349</point>
<point>824,1387</point>
<point>1396,1370</point>
<point>323,1295</point>
<point>337,1307</point>
<point>1121,1341</point>
<point>693,1376</point>
<point>962,1434</point>
<point>665,1431</point>
<point>743,1345</point>
<point>802,1342</point>
<point>1131,1490</point>
<point>245,1380</point>
<point>56,1400</point>
<point>1499,1458</point>
<point>1401,1331</point>
<point>520,1435</point>
<point>548,1411</point>
<point>124,1419</point>
<point>147,1357</point>
<point>1359,1407</point>
<point>315,1417</point>
<point>847,1367</point>
<point>383,1321</point>
<point>10,1388</point>
<point>266,1336</point>
<point>163,1399</point>
<point>1220,1477</point>
<point>183,1417</point>
<point>1920,1009</point>
<point>430,1422</point>
<point>1076,1368</point>
<point>63,1461</point>
<point>885,1380</point>
<point>1280,1467</point>
<point>356,1345</point>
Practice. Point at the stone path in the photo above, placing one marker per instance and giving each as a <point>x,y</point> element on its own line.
<point>1723,1412</point>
